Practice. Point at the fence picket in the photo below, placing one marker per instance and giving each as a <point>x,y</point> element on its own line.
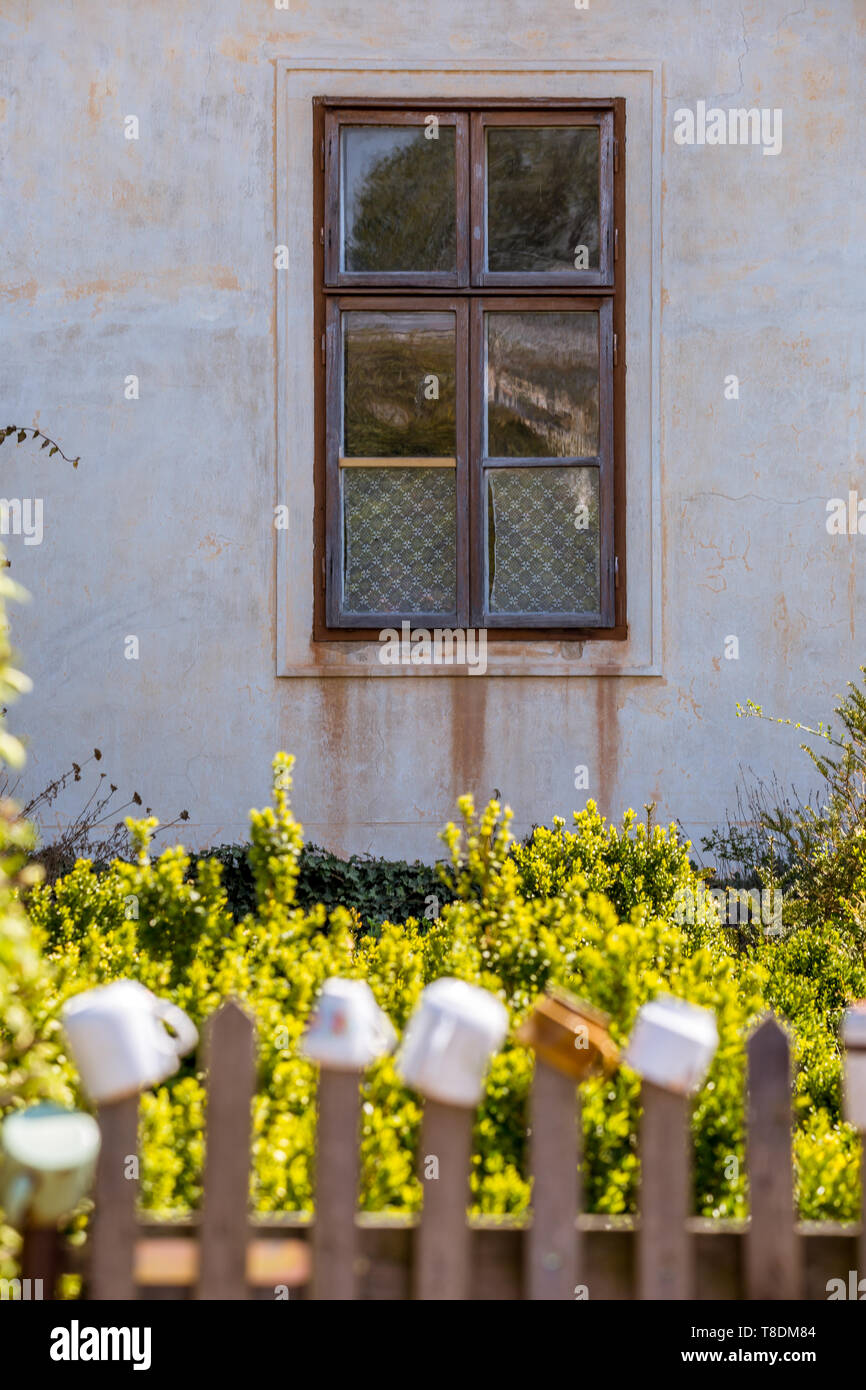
<point>773,1268</point>
<point>337,1169</point>
<point>113,1227</point>
<point>40,1259</point>
<point>552,1246</point>
<point>442,1266</point>
<point>230,1086</point>
<point>665,1263</point>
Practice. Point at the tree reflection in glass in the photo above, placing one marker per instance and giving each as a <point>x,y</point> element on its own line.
<point>542,384</point>
<point>542,198</point>
<point>399,392</point>
<point>399,199</point>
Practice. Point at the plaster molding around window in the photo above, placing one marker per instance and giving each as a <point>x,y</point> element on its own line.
<point>297,83</point>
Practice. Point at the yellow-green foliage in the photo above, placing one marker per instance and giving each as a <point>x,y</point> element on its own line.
<point>523,916</point>
<point>28,1034</point>
<point>633,866</point>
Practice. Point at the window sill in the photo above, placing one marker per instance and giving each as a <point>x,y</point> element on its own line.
<point>554,657</point>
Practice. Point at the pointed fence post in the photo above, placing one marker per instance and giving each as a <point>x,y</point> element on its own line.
<point>665,1252</point>
<point>854,1071</point>
<point>671,1047</point>
<point>225,1208</point>
<point>446,1050</point>
<point>442,1248</point>
<point>113,1226</point>
<point>773,1256</point>
<point>571,1041</point>
<point>553,1239</point>
<point>346,1033</point>
<point>40,1260</point>
<point>338,1137</point>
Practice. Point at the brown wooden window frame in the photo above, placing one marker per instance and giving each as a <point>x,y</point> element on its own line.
<point>468,293</point>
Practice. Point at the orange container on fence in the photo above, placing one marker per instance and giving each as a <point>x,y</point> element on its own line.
<point>569,1035</point>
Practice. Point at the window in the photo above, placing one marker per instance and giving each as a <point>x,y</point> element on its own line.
<point>470,404</point>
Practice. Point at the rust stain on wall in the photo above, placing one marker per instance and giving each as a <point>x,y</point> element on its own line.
<point>98,93</point>
<point>215,544</point>
<point>337,756</point>
<point>607,739</point>
<point>126,194</point>
<point>241,50</point>
<point>686,700</point>
<point>822,82</point>
<point>468,724</point>
<point>168,282</point>
<point>285,42</point>
<point>790,630</point>
<point>27,291</point>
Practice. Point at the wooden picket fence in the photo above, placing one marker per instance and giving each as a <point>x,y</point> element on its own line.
<point>224,1253</point>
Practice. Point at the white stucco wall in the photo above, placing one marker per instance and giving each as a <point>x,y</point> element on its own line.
<point>155,258</point>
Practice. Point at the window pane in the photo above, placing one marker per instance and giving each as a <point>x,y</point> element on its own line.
<point>399,385</point>
<point>543,540</point>
<point>399,540</point>
<point>542,198</point>
<point>399,201</point>
<point>542,385</point>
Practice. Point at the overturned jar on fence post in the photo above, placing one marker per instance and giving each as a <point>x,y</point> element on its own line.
<point>569,1035</point>
<point>119,1041</point>
<point>348,1031</point>
<point>47,1162</point>
<point>672,1043</point>
<point>449,1041</point>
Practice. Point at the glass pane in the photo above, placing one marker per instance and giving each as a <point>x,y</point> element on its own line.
<point>399,394</point>
<point>542,385</point>
<point>542,198</point>
<point>543,540</point>
<point>399,200</point>
<point>400,540</point>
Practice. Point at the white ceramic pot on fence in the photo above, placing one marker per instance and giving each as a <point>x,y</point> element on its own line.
<point>119,1042</point>
<point>348,1030</point>
<point>47,1160</point>
<point>449,1040</point>
<point>672,1043</point>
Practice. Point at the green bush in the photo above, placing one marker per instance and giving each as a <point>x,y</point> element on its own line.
<point>377,890</point>
<point>592,909</point>
<point>637,866</point>
<point>814,849</point>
